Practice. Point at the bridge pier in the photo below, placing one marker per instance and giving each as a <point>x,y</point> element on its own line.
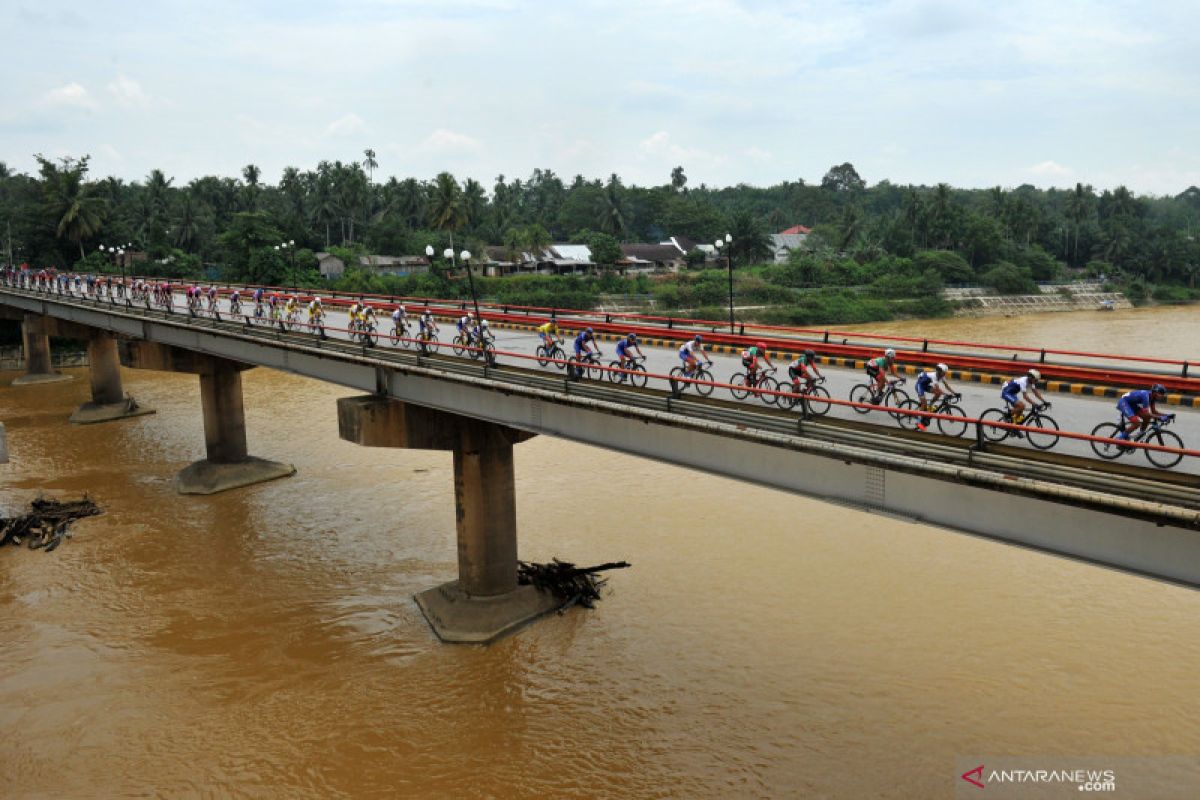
<point>485,602</point>
<point>37,353</point>
<point>228,464</point>
<point>108,396</point>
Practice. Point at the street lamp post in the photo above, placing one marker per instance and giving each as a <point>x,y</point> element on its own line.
<point>726,243</point>
<point>290,247</point>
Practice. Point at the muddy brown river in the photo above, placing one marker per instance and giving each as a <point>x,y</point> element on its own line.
<point>264,642</point>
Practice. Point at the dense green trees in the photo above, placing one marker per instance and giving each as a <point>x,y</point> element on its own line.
<point>59,215</point>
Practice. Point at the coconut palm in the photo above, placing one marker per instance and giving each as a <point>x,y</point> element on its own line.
<point>72,205</point>
<point>370,163</point>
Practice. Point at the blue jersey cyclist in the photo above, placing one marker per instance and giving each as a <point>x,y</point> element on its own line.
<point>624,358</point>
<point>690,354</point>
<point>1019,388</point>
<point>1138,408</point>
<point>932,382</point>
<point>584,343</point>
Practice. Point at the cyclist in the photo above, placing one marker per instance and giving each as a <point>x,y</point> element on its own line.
<point>1138,408</point>
<point>273,303</point>
<point>368,317</point>
<point>212,298</point>
<point>258,301</point>
<point>316,312</point>
<point>690,354</point>
<point>464,327</point>
<point>799,369</point>
<point>1024,385</point>
<point>292,307</point>
<point>750,359</point>
<point>480,333</point>
<point>356,310</point>
<point>624,359</point>
<point>879,368</point>
<point>428,327</point>
<point>584,343</point>
<point>548,333</point>
<point>235,302</point>
<point>398,319</point>
<point>931,382</point>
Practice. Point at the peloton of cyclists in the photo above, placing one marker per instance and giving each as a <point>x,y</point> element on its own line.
<point>1138,409</point>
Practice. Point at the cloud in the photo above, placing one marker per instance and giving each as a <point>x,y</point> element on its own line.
<point>72,95</point>
<point>445,141</point>
<point>1049,168</point>
<point>128,93</point>
<point>346,125</point>
<point>659,145</point>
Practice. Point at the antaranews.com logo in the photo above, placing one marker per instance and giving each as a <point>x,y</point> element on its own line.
<point>1083,779</point>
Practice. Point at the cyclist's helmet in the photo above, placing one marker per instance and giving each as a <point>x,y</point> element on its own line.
<point>588,331</point>
<point>760,345</point>
<point>889,353</point>
<point>1037,376</point>
<point>317,300</point>
<point>697,338</point>
<point>632,337</point>
<point>1159,390</point>
<point>484,323</point>
<point>942,369</point>
<point>810,355</point>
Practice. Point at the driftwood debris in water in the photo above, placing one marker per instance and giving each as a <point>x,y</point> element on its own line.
<point>572,584</point>
<point>46,524</point>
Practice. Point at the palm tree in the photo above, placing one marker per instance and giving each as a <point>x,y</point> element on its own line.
<point>370,163</point>
<point>750,241</point>
<point>251,173</point>
<point>187,228</point>
<point>1079,206</point>
<point>612,208</point>
<point>70,202</point>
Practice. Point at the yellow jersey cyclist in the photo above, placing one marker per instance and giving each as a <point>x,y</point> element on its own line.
<point>316,312</point>
<point>368,317</point>
<point>292,307</point>
<point>879,368</point>
<point>548,333</point>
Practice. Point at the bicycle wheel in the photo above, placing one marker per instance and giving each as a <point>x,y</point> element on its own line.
<point>393,336</point>
<point>817,401</point>
<point>1164,439</point>
<point>594,370</point>
<point>543,358</point>
<point>613,375</point>
<point>1107,450</point>
<point>908,421</point>
<point>767,385</point>
<point>370,336</point>
<point>706,388</point>
<point>677,387</point>
<point>738,389</point>
<point>862,393</point>
<point>637,375</point>
<point>994,415</point>
<point>1042,440</point>
<point>557,353</point>
<point>896,398</point>
<point>459,345</point>
<point>953,427</point>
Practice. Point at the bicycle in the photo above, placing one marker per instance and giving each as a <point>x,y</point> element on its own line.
<point>1042,439</point>
<point>1151,434</point>
<point>398,335</point>
<point>704,388</point>
<point>316,324</point>
<point>890,396</point>
<point>235,307</point>
<point>814,397</point>
<point>425,338</point>
<point>552,355</point>
<point>460,343</point>
<point>635,374</point>
<point>292,320</point>
<point>587,364</point>
<point>485,349</point>
<point>743,387</point>
<point>363,332</point>
<point>946,404</point>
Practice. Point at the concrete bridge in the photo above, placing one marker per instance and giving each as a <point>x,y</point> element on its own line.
<point>1117,515</point>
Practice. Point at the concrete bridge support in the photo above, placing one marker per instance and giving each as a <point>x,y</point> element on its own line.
<point>485,602</point>
<point>108,397</point>
<point>228,464</point>
<point>37,353</point>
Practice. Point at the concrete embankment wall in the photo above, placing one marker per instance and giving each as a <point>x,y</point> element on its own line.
<point>980,302</point>
<point>12,358</point>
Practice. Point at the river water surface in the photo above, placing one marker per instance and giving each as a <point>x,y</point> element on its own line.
<point>265,642</point>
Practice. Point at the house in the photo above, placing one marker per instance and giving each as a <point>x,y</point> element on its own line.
<point>332,267</point>
<point>643,257</point>
<point>557,259</point>
<point>784,242</point>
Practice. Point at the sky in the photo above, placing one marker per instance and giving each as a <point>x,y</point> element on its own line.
<point>974,94</point>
